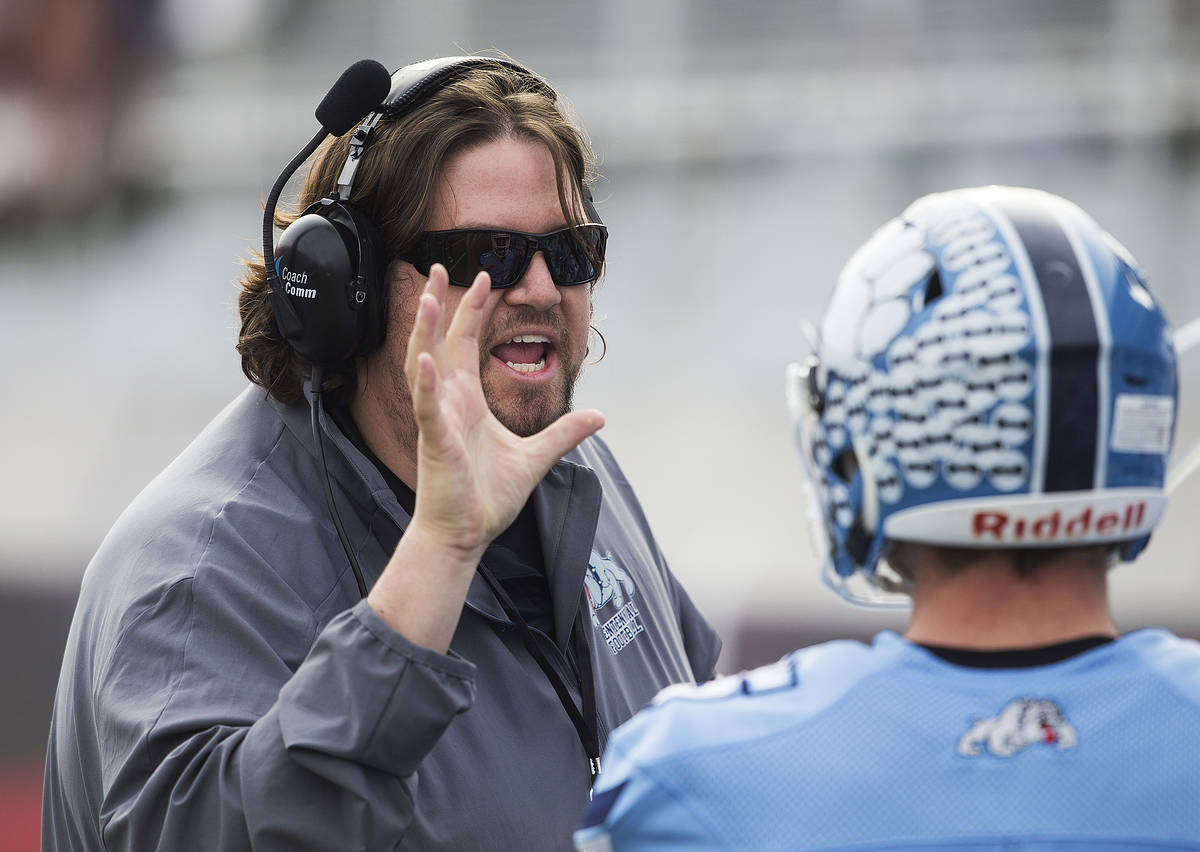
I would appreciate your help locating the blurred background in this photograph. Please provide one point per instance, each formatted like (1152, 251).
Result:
(746, 149)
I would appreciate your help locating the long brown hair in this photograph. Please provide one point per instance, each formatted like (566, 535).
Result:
(395, 186)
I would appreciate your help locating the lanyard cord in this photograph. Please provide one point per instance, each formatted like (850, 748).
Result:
(584, 720)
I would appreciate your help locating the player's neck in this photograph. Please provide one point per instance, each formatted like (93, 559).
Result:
(987, 606)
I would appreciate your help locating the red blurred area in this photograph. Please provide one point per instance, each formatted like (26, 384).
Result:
(21, 804)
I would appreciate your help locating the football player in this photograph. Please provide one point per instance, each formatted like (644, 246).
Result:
(985, 420)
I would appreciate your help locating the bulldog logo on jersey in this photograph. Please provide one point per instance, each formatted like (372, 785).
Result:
(607, 584)
(1022, 723)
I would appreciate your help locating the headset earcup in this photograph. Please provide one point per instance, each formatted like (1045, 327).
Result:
(372, 308)
(315, 267)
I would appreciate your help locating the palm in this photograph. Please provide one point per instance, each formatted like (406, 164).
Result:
(473, 474)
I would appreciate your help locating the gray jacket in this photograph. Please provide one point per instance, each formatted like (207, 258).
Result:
(224, 688)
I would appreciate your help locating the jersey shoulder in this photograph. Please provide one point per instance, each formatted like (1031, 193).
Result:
(750, 704)
(1174, 659)
(687, 722)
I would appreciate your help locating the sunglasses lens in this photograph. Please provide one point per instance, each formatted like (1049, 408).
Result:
(574, 258)
(503, 256)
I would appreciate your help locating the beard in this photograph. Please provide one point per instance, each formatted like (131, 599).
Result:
(524, 411)
(527, 411)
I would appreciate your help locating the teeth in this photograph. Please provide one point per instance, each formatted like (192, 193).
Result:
(528, 368)
(530, 338)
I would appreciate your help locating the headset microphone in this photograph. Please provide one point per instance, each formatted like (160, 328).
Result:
(362, 87)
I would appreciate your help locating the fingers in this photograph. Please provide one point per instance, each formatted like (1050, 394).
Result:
(429, 322)
(426, 409)
(435, 353)
(420, 363)
(424, 339)
(562, 436)
(467, 324)
(429, 332)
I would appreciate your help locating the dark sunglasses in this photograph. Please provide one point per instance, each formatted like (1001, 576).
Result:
(573, 255)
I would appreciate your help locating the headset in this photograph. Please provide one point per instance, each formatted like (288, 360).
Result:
(325, 277)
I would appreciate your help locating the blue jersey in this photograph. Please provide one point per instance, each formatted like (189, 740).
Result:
(845, 746)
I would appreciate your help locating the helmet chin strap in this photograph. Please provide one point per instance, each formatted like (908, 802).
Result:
(1185, 337)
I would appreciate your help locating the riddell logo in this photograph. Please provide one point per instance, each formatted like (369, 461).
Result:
(1006, 526)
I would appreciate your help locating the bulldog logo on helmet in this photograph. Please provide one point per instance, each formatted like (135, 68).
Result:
(1022, 723)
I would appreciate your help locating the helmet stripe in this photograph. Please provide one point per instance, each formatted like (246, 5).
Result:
(1069, 220)
(1074, 393)
(1041, 347)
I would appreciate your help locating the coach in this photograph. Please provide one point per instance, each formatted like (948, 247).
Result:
(224, 684)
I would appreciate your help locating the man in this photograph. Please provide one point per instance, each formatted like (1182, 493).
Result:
(986, 422)
(224, 687)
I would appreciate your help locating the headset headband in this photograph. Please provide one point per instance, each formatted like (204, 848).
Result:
(411, 86)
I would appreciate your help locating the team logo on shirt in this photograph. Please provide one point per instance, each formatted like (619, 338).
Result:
(1022, 723)
(609, 587)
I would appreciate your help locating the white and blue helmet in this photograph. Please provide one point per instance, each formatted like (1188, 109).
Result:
(992, 371)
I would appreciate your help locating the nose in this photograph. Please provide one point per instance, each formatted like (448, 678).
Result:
(536, 288)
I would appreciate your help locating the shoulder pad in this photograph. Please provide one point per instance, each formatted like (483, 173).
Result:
(766, 679)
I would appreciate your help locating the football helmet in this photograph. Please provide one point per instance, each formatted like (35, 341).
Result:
(992, 371)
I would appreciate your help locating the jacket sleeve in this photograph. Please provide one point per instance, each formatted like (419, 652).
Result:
(211, 739)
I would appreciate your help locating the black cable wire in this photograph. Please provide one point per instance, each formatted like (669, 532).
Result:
(318, 437)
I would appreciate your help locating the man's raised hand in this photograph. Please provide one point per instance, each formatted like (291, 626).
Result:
(473, 474)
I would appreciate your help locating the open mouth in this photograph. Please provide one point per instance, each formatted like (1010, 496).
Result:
(525, 353)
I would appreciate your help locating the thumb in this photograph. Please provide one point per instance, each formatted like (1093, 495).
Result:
(562, 436)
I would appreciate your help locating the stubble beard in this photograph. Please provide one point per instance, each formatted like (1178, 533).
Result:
(398, 407)
(524, 411)
(528, 410)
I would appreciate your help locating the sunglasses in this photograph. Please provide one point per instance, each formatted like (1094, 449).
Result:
(573, 255)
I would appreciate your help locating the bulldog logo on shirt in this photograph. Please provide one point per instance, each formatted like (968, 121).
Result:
(1022, 723)
(608, 585)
